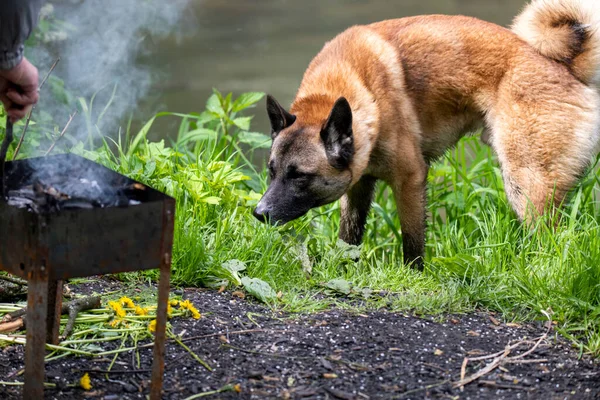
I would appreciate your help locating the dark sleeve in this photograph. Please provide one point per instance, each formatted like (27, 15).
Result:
(17, 20)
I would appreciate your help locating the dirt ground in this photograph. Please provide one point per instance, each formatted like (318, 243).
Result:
(330, 355)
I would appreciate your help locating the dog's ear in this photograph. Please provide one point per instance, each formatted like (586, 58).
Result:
(280, 119)
(336, 135)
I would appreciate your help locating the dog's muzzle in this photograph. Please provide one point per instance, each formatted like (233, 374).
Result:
(261, 212)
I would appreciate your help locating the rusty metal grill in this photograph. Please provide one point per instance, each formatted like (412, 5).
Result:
(49, 236)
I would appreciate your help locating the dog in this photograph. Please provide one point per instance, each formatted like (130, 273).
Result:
(382, 101)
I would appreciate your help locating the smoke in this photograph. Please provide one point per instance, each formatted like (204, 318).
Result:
(102, 41)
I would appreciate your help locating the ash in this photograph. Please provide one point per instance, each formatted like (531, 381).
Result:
(41, 197)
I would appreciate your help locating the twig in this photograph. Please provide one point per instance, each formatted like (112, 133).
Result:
(7, 327)
(8, 138)
(501, 358)
(75, 307)
(194, 355)
(46, 384)
(511, 346)
(495, 384)
(528, 352)
(484, 371)
(72, 308)
(433, 385)
(32, 108)
(120, 371)
(226, 388)
(62, 133)
(16, 281)
(536, 361)
(49, 72)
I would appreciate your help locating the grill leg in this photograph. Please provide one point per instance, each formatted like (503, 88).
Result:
(35, 348)
(55, 289)
(158, 365)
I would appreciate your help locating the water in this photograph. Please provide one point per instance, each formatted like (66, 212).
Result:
(251, 45)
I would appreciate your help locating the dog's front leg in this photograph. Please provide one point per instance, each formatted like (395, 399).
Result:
(355, 206)
(410, 195)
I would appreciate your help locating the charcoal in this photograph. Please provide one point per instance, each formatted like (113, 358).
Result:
(65, 194)
(67, 182)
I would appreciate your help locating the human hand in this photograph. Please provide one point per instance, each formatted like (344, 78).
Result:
(19, 89)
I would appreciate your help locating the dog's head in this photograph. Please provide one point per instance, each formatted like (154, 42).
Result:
(309, 164)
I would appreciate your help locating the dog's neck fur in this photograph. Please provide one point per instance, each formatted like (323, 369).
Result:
(313, 110)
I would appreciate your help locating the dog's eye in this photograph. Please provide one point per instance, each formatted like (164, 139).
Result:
(294, 174)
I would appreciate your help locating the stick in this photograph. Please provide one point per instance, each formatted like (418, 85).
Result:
(49, 72)
(501, 359)
(32, 108)
(484, 371)
(62, 133)
(120, 371)
(7, 327)
(16, 281)
(72, 308)
(8, 138)
(75, 307)
(495, 384)
(226, 388)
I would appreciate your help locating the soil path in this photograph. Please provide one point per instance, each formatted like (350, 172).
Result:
(330, 355)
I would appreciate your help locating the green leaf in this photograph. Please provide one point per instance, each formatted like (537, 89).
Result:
(149, 168)
(140, 136)
(205, 117)
(229, 270)
(197, 134)
(348, 251)
(213, 104)
(242, 122)
(211, 200)
(259, 289)
(340, 286)
(246, 100)
(255, 139)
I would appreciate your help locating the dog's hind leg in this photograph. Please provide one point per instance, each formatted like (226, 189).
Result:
(544, 147)
(355, 206)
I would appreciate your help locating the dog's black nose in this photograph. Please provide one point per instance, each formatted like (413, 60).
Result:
(261, 213)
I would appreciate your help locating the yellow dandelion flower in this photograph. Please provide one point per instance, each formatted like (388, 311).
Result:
(174, 303)
(127, 302)
(196, 314)
(186, 304)
(169, 310)
(238, 388)
(85, 382)
(152, 326)
(117, 308)
(141, 310)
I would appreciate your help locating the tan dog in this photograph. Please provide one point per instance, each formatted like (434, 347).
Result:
(382, 101)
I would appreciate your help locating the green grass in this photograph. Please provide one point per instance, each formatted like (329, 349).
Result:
(478, 255)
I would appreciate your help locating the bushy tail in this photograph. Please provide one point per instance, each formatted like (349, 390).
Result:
(567, 31)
